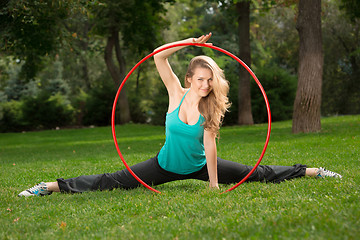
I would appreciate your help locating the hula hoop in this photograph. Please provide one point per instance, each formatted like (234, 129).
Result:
(199, 45)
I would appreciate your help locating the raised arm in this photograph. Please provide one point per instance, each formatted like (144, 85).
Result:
(167, 75)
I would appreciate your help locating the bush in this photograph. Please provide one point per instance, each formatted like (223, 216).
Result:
(11, 119)
(45, 111)
(159, 106)
(280, 88)
(78, 101)
(98, 106)
(232, 75)
(35, 113)
(138, 115)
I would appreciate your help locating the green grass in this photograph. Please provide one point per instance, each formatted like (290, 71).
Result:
(303, 208)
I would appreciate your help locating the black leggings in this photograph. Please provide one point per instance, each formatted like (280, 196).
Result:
(151, 173)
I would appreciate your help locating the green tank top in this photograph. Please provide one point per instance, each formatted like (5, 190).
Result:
(183, 151)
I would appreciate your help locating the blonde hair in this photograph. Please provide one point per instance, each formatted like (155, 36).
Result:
(216, 103)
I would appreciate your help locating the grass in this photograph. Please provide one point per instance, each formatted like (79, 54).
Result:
(303, 208)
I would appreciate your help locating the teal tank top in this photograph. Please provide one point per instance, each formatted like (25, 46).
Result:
(183, 151)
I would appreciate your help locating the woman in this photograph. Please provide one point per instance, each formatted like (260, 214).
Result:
(192, 123)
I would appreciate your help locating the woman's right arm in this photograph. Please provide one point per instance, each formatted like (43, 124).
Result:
(167, 75)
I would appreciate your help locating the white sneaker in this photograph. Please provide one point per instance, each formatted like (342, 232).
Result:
(322, 172)
(37, 190)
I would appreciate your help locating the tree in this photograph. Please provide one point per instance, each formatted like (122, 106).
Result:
(237, 13)
(352, 8)
(31, 30)
(244, 99)
(306, 115)
(340, 89)
(242, 10)
(79, 45)
(129, 27)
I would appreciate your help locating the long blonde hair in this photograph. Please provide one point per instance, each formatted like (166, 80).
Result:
(216, 103)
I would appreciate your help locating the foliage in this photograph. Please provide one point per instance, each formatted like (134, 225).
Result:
(231, 70)
(43, 100)
(98, 105)
(13, 90)
(139, 22)
(341, 91)
(30, 30)
(159, 106)
(17, 87)
(141, 88)
(46, 111)
(352, 8)
(280, 88)
(138, 114)
(36, 113)
(275, 39)
(52, 80)
(4, 66)
(304, 208)
(69, 58)
(11, 117)
(79, 104)
(129, 27)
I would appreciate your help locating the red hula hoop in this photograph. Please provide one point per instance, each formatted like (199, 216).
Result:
(199, 45)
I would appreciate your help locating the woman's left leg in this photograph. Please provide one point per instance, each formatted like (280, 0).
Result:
(233, 172)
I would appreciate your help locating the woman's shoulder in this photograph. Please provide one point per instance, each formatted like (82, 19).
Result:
(175, 98)
(179, 94)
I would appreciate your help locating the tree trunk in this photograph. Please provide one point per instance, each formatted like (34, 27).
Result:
(84, 44)
(244, 101)
(85, 71)
(117, 74)
(306, 115)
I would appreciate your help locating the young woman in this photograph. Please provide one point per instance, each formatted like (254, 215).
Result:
(193, 120)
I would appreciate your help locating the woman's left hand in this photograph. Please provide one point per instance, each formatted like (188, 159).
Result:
(203, 39)
(214, 186)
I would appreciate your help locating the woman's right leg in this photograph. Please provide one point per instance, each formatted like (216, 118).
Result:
(149, 171)
(53, 186)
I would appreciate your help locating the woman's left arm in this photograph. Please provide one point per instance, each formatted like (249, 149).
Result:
(211, 157)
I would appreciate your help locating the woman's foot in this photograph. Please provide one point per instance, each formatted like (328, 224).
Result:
(322, 172)
(40, 189)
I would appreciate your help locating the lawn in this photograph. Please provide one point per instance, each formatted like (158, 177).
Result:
(302, 208)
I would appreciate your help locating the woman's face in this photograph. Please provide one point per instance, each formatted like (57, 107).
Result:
(201, 81)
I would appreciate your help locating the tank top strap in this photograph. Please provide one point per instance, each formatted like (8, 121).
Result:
(183, 98)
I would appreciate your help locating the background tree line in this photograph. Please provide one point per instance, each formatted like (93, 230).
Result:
(61, 62)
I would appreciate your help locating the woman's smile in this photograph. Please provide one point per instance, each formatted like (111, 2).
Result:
(202, 81)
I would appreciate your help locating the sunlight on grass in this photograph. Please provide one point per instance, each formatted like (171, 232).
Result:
(303, 208)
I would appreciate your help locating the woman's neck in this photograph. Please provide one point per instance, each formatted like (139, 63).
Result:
(193, 99)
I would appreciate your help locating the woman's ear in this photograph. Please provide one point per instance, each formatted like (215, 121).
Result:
(188, 79)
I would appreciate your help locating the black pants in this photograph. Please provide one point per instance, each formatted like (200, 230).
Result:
(151, 173)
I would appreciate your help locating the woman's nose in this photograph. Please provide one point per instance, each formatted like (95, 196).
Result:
(206, 83)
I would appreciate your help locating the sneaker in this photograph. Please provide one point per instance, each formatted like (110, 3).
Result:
(37, 190)
(322, 172)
